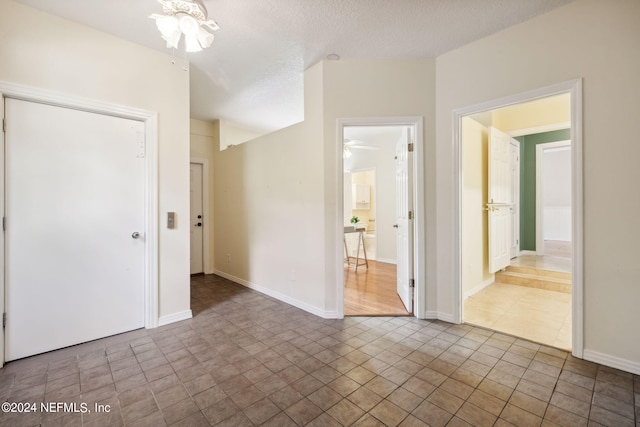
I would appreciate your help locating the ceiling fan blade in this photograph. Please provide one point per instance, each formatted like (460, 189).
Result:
(191, 43)
(352, 142)
(364, 147)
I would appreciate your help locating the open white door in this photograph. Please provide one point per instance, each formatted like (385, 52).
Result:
(404, 223)
(500, 204)
(515, 198)
(75, 236)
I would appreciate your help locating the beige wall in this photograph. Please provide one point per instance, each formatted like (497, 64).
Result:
(276, 196)
(234, 134)
(596, 41)
(475, 247)
(372, 88)
(46, 52)
(268, 209)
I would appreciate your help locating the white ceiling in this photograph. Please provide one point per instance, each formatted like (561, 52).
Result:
(253, 73)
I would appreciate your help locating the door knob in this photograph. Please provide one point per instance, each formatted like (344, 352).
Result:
(199, 224)
(199, 216)
(135, 235)
(395, 225)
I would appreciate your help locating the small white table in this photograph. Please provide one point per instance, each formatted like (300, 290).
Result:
(348, 258)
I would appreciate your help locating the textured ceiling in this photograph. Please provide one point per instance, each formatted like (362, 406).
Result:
(253, 73)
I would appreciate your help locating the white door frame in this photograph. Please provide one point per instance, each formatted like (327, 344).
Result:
(539, 187)
(150, 119)
(418, 203)
(574, 88)
(206, 245)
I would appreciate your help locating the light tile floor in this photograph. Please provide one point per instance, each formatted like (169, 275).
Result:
(246, 359)
(535, 314)
(543, 262)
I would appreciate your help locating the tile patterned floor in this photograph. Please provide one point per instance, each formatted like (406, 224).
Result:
(247, 359)
(536, 314)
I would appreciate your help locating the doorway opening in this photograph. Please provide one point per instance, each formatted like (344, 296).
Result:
(378, 219)
(515, 278)
(199, 216)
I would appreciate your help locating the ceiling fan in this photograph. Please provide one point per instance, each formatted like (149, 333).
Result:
(356, 143)
(348, 144)
(188, 17)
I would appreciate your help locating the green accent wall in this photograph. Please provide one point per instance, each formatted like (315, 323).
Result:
(528, 182)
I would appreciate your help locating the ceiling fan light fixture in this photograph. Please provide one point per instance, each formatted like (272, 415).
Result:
(188, 17)
(205, 38)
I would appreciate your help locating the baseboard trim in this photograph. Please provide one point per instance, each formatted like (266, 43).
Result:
(478, 288)
(528, 253)
(175, 317)
(436, 315)
(280, 297)
(387, 260)
(612, 361)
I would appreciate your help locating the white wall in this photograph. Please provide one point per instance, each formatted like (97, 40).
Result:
(556, 197)
(597, 41)
(46, 52)
(276, 197)
(269, 194)
(475, 247)
(374, 88)
(233, 134)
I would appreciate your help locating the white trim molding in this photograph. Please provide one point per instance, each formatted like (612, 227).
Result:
(471, 292)
(612, 361)
(419, 224)
(150, 120)
(280, 297)
(574, 88)
(175, 317)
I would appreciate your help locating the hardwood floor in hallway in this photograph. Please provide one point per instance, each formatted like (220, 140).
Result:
(372, 291)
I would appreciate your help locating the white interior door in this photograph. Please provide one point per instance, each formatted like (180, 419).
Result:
(515, 198)
(500, 203)
(404, 232)
(75, 243)
(197, 260)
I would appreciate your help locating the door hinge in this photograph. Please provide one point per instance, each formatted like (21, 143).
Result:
(410, 214)
(4, 223)
(4, 320)
(412, 283)
(4, 125)
(410, 147)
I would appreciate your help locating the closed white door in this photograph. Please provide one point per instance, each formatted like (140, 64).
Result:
(197, 261)
(500, 203)
(404, 223)
(75, 242)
